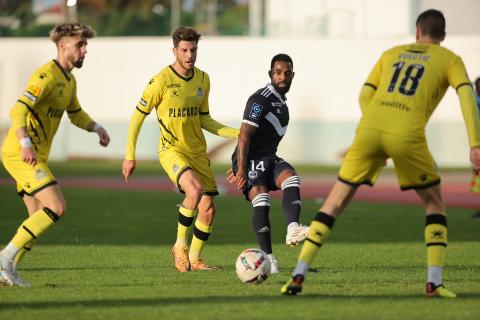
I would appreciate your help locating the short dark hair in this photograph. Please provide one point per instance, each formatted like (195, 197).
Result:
(185, 34)
(280, 57)
(432, 23)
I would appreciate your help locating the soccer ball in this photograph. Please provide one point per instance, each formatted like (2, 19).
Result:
(252, 266)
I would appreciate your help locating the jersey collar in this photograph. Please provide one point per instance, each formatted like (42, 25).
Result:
(278, 95)
(61, 69)
(181, 77)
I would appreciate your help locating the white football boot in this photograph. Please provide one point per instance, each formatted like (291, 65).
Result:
(296, 233)
(10, 275)
(273, 264)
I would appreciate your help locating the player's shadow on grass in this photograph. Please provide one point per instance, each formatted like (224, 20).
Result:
(213, 300)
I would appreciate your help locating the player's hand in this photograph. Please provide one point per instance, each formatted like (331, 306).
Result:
(128, 166)
(475, 159)
(230, 176)
(240, 180)
(29, 156)
(104, 137)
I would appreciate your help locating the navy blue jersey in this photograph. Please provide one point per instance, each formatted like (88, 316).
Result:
(267, 111)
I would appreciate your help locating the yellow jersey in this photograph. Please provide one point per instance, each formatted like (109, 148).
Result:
(182, 110)
(408, 82)
(49, 93)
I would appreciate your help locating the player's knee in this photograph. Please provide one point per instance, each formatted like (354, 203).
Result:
(59, 208)
(195, 193)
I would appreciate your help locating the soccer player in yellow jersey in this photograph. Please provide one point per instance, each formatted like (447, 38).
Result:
(51, 91)
(179, 95)
(401, 93)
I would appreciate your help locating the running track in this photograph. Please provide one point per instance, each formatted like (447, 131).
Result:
(455, 188)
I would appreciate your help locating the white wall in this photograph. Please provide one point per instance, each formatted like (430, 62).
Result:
(323, 98)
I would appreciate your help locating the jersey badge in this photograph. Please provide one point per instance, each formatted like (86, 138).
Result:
(42, 75)
(175, 168)
(252, 174)
(199, 92)
(40, 174)
(255, 112)
(174, 93)
(143, 102)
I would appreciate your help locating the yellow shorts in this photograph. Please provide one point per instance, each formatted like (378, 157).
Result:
(30, 180)
(175, 163)
(414, 164)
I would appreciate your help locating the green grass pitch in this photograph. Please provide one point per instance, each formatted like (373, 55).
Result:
(109, 258)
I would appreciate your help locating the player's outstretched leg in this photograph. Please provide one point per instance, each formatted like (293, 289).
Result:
(318, 233)
(436, 242)
(292, 205)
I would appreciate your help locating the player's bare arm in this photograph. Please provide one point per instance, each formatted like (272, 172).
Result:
(246, 131)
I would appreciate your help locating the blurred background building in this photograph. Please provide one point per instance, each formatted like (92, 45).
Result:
(334, 44)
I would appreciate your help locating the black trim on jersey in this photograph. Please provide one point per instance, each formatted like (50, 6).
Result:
(464, 84)
(356, 184)
(415, 51)
(74, 111)
(422, 186)
(165, 128)
(165, 139)
(203, 113)
(202, 235)
(370, 85)
(443, 244)
(51, 183)
(183, 78)
(61, 69)
(29, 231)
(141, 111)
(36, 117)
(203, 76)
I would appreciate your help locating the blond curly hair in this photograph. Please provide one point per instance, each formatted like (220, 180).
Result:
(71, 30)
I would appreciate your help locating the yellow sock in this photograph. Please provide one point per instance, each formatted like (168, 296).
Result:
(201, 232)
(26, 248)
(317, 234)
(34, 227)
(185, 220)
(436, 239)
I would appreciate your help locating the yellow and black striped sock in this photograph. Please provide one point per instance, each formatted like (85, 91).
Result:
(319, 230)
(34, 226)
(185, 220)
(436, 242)
(26, 248)
(201, 232)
